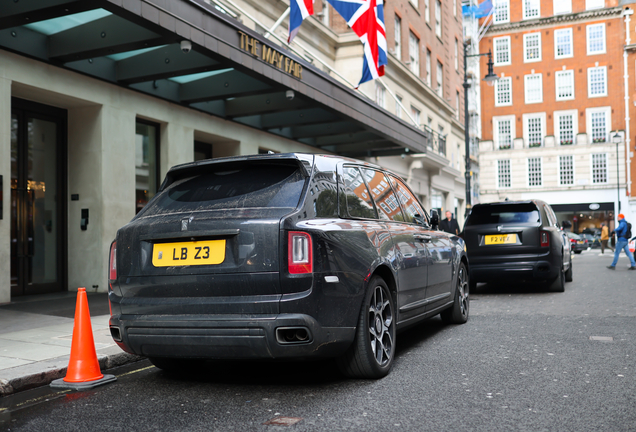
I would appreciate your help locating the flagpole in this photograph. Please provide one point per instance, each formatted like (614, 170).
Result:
(398, 101)
(277, 23)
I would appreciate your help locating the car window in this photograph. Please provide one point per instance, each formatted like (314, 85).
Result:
(381, 192)
(550, 215)
(410, 204)
(504, 214)
(358, 198)
(247, 186)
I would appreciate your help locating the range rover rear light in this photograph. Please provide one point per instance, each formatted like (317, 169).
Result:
(112, 262)
(299, 250)
(544, 236)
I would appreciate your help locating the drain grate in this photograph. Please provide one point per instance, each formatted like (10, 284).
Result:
(602, 338)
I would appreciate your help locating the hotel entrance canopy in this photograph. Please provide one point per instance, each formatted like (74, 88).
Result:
(230, 71)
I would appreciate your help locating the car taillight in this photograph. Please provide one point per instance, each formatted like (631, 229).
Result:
(545, 238)
(299, 249)
(112, 262)
(572, 240)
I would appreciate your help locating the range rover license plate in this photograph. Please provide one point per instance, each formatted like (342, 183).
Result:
(209, 252)
(500, 239)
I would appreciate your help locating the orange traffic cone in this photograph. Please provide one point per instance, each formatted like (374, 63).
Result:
(83, 370)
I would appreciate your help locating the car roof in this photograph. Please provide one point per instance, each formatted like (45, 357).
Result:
(531, 201)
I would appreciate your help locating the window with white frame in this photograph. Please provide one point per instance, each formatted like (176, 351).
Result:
(457, 103)
(504, 131)
(503, 91)
(416, 115)
(325, 13)
(380, 95)
(566, 170)
(565, 125)
(594, 4)
(456, 54)
(597, 81)
(415, 3)
(561, 7)
(454, 7)
(599, 168)
(598, 124)
(440, 79)
(535, 177)
(428, 67)
(564, 84)
(504, 179)
(502, 11)
(398, 108)
(533, 88)
(532, 47)
(531, 9)
(502, 50)
(414, 54)
(427, 10)
(534, 129)
(438, 18)
(596, 39)
(397, 36)
(563, 47)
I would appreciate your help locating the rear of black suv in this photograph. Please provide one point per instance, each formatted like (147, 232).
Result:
(514, 241)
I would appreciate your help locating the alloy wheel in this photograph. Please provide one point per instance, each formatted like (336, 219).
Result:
(381, 326)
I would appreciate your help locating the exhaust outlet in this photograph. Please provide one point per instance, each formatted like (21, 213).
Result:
(115, 333)
(292, 335)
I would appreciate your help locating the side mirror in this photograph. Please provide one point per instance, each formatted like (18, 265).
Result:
(434, 218)
(418, 219)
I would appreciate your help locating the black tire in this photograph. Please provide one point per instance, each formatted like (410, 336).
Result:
(570, 273)
(373, 349)
(558, 284)
(458, 313)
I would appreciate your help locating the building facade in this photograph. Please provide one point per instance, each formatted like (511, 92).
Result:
(554, 123)
(99, 98)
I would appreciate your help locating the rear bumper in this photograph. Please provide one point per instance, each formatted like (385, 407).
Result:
(227, 336)
(526, 268)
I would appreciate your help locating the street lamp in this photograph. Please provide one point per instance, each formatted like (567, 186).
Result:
(490, 78)
(617, 139)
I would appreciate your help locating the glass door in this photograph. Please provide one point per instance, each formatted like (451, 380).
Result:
(37, 133)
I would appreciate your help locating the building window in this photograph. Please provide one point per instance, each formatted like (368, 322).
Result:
(324, 13)
(398, 108)
(416, 115)
(502, 50)
(531, 9)
(597, 81)
(564, 84)
(535, 178)
(564, 124)
(415, 3)
(440, 80)
(534, 129)
(596, 39)
(598, 124)
(594, 4)
(428, 68)
(563, 43)
(414, 54)
(599, 168)
(504, 131)
(562, 7)
(427, 10)
(457, 103)
(533, 88)
(532, 47)
(503, 91)
(438, 18)
(456, 54)
(380, 95)
(502, 11)
(566, 170)
(146, 162)
(503, 174)
(397, 35)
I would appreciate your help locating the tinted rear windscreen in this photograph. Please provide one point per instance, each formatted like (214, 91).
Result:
(248, 186)
(504, 214)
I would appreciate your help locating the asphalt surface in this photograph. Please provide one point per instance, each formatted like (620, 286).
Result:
(526, 360)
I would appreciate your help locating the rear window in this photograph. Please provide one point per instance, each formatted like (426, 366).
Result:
(248, 186)
(504, 214)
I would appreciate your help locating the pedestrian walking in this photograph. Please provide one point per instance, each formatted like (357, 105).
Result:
(449, 224)
(622, 233)
(604, 237)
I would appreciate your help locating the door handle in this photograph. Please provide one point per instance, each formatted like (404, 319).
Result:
(422, 237)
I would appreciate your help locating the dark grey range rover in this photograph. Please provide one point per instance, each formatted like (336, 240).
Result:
(286, 256)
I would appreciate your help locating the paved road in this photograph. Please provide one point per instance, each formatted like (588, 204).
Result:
(526, 360)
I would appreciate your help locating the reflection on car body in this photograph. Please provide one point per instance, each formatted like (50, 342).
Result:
(319, 257)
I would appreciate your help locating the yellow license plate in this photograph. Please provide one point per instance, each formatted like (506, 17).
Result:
(188, 253)
(581, 242)
(501, 239)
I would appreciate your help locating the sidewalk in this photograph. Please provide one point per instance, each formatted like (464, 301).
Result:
(36, 334)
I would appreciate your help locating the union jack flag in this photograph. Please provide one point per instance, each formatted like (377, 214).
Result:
(366, 19)
(298, 11)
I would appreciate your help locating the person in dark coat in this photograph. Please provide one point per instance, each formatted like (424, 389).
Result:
(449, 224)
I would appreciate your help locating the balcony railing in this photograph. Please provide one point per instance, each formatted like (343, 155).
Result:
(434, 141)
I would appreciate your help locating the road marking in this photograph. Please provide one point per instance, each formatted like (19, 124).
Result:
(135, 371)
